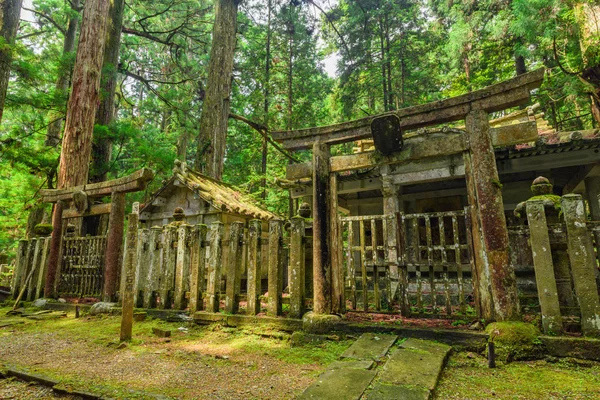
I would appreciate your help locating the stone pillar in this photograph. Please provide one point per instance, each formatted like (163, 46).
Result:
(296, 273)
(338, 298)
(127, 291)
(214, 266)
(322, 282)
(592, 188)
(55, 249)
(114, 246)
(232, 290)
(392, 206)
(197, 268)
(254, 270)
(275, 267)
(544, 269)
(495, 281)
(20, 267)
(183, 236)
(581, 254)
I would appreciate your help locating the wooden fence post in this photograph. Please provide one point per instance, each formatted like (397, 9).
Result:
(254, 270)
(275, 267)
(544, 268)
(297, 267)
(232, 290)
(197, 264)
(214, 266)
(129, 271)
(581, 255)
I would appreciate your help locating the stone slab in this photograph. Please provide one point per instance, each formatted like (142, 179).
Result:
(356, 364)
(340, 384)
(585, 348)
(9, 322)
(370, 346)
(381, 391)
(417, 363)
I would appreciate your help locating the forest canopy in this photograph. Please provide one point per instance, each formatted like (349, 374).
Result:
(296, 64)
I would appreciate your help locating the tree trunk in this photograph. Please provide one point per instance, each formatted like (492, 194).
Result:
(215, 111)
(102, 147)
(85, 94)
(62, 83)
(9, 22)
(265, 149)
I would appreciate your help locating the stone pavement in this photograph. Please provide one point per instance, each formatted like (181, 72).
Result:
(374, 368)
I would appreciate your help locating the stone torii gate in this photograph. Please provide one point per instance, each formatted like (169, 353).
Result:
(79, 200)
(494, 280)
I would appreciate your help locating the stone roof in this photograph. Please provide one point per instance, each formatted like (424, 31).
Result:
(220, 195)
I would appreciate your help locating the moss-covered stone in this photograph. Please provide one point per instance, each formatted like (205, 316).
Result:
(319, 323)
(516, 340)
(42, 229)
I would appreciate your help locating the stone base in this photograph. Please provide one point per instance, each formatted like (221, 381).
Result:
(319, 323)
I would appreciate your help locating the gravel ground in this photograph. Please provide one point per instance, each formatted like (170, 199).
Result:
(212, 366)
(11, 389)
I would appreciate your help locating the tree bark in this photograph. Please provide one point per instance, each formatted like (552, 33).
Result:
(102, 147)
(215, 111)
(9, 22)
(265, 149)
(62, 83)
(85, 94)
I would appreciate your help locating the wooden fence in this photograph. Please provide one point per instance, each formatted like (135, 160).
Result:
(202, 267)
(433, 258)
(30, 267)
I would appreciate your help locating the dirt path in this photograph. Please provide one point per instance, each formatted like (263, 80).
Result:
(202, 362)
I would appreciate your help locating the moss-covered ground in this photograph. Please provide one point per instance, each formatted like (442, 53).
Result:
(195, 362)
(466, 376)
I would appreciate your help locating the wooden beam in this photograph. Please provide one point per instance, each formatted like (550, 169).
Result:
(510, 93)
(420, 147)
(132, 183)
(95, 209)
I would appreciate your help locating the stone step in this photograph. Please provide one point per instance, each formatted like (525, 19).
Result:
(412, 372)
(340, 384)
(370, 346)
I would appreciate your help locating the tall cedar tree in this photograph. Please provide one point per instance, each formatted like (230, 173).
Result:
(9, 22)
(215, 111)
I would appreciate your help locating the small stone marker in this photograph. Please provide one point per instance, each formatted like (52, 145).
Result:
(164, 333)
(139, 316)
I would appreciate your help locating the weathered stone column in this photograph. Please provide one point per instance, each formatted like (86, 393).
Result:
(592, 188)
(232, 290)
(495, 279)
(338, 298)
(297, 267)
(20, 266)
(544, 269)
(55, 249)
(114, 246)
(392, 206)
(275, 267)
(127, 291)
(254, 270)
(322, 285)
(214, 266)
(197, 268)
(183, 235)
(581, 255)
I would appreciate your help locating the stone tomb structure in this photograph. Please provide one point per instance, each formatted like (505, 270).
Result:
(66, 264)
(418, 158)
(194, 225)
